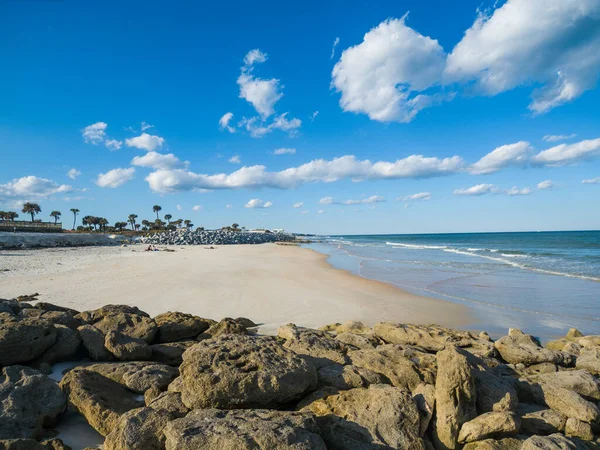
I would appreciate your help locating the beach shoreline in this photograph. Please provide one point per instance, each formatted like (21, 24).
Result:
(271, 283)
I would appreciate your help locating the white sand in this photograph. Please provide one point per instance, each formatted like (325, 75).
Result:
(269, 284)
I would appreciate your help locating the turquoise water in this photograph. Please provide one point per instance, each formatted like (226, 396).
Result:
(542, 282)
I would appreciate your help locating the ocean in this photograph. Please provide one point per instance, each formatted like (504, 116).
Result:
(541, 282)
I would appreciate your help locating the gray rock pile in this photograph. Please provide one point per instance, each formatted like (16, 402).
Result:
(179, 381)
(214, 237)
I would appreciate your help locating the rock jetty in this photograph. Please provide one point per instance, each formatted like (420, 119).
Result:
(214, 237)
(179, 381)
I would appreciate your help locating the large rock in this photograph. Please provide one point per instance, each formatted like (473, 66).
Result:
(132, 325)
(364, 341)
(494, 393)
(577, 428)
(127, 348)
(566, 402)
(28, 401)
(455, 397)
(225, 326)
(489, 425)
(378, 417)
(589, 359)
(31, 444)
(139, 429)
(572, 336)
(540, 420)
(317, 346)
(52, 307)
(553, 442)
(171, 352)
(65, 348)
(433, 338)
(93, 341)
(97, 398)
(239, 371)
(136, 376)
(257, 429)
(61, 318)
(424, 396)
(521, 348)
(170, 402)
(348, 377)
(176, 326)
(22, 341)
(579, 381)
(107, 310)
(495, 444)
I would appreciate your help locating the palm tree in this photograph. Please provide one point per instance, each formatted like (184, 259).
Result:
(168, 218)
(11, 215)
(188, 223)
(88, 221)
(145, 224)
(102, 222)
(120, 225)
(235, 226)
(156, 209)
(32, 208)
(131, 220)
(137, 227)
(75, 211)
(56, 215)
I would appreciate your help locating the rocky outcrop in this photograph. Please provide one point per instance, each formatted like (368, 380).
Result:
(553, 442)
(170, 402)
(316, 346)
(176, 326)
(139, 429)
(93, 341)
(214, 237)
(540, 420)
(23, 340)
(489, 425)
(589, 359)
(65, 348)
(126, 348)
(521, 348)
(348, 377)
(225, 326)
(132, 325)
(136, 376)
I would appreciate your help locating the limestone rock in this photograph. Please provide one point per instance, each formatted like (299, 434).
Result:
(98, 314)
(176, 326)
(170, 402)
(61, 318)
(579, 381)
(138, 429)
(44, 306)
(245, 322)
(136, 376)
(493, 444)
(566, 402)
(424, 397)
(93, 341)
(455, 397)
(489, 425)
(348, 377)
(126, 348)
(24, 340)
(317, 346)
(540, 420)
(494, 393)
(225, 326)
(521, 348)
(65, 348)
(99, 399)
(577, 428)
(170, 353)
(591, 341)
(363, 341)
(239, 371)
(553, 442)
(22, 444)
(589, 359)
(28, 401)
(132, 325)
(256, 429)
(380, 416)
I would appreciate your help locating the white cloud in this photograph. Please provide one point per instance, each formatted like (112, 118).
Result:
(345, 167)
(146, 142)
(546, 184)
(591, 181)
(479, 189)
(516, 191)
(257, 203)
(95, 134)
(261, 93)
(224, 122)
(259, 128)
(115, 178)
(197, 208)
(558, 137)
(229, 206)
(284, 151)
(159, 161)
(501, 157)
(179, 208)
(304, 212)
(383, 75)
(364, 201)
(321, 211)
(298, 204)
(313, 116)
(551, 43)
(113, 144)
(73, 173)
(31, 186)
(424, 196)
(568, 153)
(145, 126)
(326, 201)
(235, 159)
(254, 56)
(335, 44)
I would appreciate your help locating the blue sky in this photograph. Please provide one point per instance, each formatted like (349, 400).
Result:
(410, 101)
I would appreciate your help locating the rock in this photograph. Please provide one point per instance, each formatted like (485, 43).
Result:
(239, 371)
(578, 381)
(589, 359)
(99, 399)
(537, 419)
(55, 444)
(521, 348)
(225, 326)
(433, 338)
(390, 362)
(572, 336)
(170, 402)
(21, 444)
(170, 353)
(591, 341)
(424, 397)
(577, 428)
(51, 307)
(354, 327)
(136, 376)
(65, 348)
(214, 237)
(348, 377)
(489, 425)
(257, 429)
(132, 325)
(93, 341)
(24, 340)
(572, 349)
(61, 318)
(494, 394)
(126, 348)
(566, 402)
(317, 346)
(493, 444)
(380, 416)
(553, 442)
(138, 429)
(455, 397)
(176, 326)
(28, 401)
(246, 323)
(363, 341)
(107, 310)
(152, 394)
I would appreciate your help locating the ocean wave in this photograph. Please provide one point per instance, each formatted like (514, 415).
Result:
(417, 247)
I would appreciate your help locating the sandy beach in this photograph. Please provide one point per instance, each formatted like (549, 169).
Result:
(270, 284)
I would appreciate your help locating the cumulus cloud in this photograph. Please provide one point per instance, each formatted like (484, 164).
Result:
(159, 161)
(257, 203)
(504, 156)
(284, 151)
(259, 128)
(261, 93)
(254, 56)
(235, 160)
(95, 134)
(336, 41)
(115, 178)
(516, 191)
(319, 170)
(551, 43)
(364, 201)
(591, 181)
(568, 153)
(179, 208)
(146, 142)
(224, 122)
(326, 201)
(73, 173)
(298, 204)
(384, 75)
(31, 187)
(546, 184)
(197, 208)
(145, 126)
(424, 196)
(558, 137)
(479, 189)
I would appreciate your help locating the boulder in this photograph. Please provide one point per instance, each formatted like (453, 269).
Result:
(589, 359)
(93, 341)
(363, 341)
(380, 416)
(24, 340)
(97, 398)
(127, 348)
(170, 402)
(495, 444)
(553, 442)
(579, 381)
(573, 335)
(225, 326)
(424, 397)
(540, 420)
(317, 346)
(245, 322)
(51, 307)
(354, 327)
(65, 348)
(132, 325)
(455, 396)
(171, 352)
(138, 429)
(577, 428)
(348, 377)
(61, 318)
(257, 429)
(591, 341)
(98, 314)
(489, 425)
(240, 371)
(27, 444)
(566, 402)
(494, 393)
(136, 376)
(521, 348)
(176, 326)
(29, 400)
